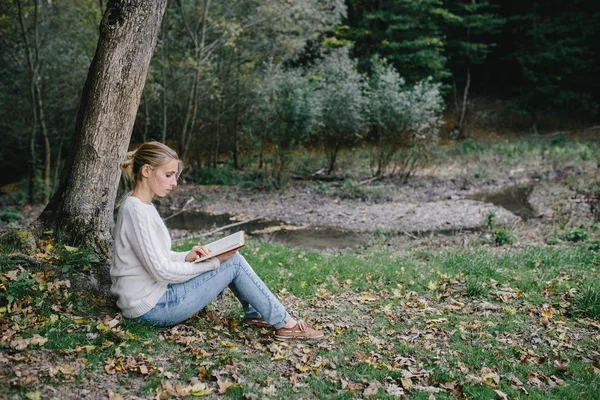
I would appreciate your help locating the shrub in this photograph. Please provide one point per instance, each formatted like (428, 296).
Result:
(260, 179)
(490, 219)
(341, 90)
(215, 176)
(594, 245)
(503, 236)
(401, 117)
(575, 235)
(10, 215)
(589, 300)
(471, 146)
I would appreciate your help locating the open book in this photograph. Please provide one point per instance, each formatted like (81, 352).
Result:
(228, 243)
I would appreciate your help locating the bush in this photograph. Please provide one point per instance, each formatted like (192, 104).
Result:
(594, 245)
(261, 180)
(470, 146)
(10, 215)
(215, 176)
(503, 236)
(589, 300)
(401, 117)
(575, 235)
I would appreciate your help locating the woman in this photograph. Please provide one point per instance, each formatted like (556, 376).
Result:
(154, 284)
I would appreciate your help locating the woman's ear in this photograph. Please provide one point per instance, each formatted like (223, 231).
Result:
(145, 170)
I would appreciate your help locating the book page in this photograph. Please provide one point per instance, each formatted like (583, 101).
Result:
(231, 242)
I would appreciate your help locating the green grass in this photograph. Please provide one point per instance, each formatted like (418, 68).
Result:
(444, 316)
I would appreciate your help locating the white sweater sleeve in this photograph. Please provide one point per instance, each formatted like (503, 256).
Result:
(155, 258)
(178, 255)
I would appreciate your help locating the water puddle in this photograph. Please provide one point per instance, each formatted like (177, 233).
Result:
(512, 198)
(308, 237)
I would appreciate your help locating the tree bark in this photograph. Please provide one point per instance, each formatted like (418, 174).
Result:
(463, 108)
(81, 211)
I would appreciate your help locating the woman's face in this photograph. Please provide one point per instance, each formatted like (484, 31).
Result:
(163, 179)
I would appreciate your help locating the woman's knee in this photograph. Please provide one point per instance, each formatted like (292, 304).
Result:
(237, 258)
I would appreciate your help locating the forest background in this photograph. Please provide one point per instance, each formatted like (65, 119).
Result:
(435, 164)
(248, 82)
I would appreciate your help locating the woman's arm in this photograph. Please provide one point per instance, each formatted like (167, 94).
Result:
(155, 257)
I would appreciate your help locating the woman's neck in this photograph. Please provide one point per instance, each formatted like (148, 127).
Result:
(143, 194)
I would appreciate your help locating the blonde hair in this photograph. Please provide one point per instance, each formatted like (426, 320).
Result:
(155, 154)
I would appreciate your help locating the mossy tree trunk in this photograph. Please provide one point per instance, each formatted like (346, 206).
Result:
(81, 210)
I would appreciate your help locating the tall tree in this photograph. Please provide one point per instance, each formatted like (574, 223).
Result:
(32, 48)
(552, 49)
(408, 33)
(343, 104)
(81, 211)
(471, 38)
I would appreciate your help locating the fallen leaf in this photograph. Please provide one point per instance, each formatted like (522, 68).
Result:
(372, 389)
(114, 396)
(37, 395)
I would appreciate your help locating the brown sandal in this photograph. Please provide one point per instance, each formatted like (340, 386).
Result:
(258, 321)
(300, 331)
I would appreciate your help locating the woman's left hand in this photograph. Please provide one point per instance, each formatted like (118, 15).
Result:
(197, 251)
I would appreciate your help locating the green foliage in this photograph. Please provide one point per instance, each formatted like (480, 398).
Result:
(10, 215)
(13, 194)
(594, 245)
(225, 175)
(554, 56)
(401, 116)
(17, 239)
(70, 258)
(407, 33)
(286, 110)
(588, 301)
(475, 288)
(260, 180)
(342, 102)
(490, 220)
(471, 146)
(575, 235)
(503, 236)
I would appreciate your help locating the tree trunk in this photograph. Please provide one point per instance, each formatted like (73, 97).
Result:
(81, 211)
(146, 119)
(463, 108)
(164, 88)
(190, 116)
(33, 65)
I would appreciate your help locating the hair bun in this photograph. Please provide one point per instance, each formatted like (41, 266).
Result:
(126, 165)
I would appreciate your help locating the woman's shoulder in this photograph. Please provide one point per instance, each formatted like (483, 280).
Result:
(133, 205)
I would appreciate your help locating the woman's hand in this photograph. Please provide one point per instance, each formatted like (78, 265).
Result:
(225, 256)
(197, 251)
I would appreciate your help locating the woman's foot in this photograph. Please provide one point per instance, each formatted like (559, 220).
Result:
(257, 321)
(299, 330)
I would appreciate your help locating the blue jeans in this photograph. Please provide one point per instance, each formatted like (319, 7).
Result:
(182, 300)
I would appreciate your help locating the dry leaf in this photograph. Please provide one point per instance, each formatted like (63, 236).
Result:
(114, 396)
(372, 389)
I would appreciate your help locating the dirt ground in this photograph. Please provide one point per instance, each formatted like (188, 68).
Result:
(434, 208)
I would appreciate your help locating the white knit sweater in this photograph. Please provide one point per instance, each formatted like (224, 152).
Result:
(142, 261)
